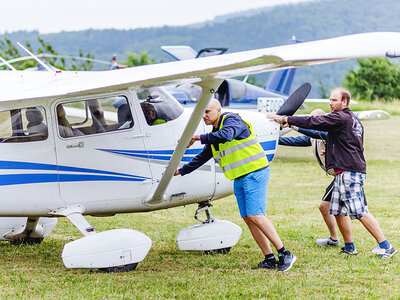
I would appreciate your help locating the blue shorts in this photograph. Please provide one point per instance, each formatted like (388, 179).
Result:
(251, 192)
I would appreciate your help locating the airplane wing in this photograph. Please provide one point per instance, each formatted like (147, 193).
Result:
(372, 115)
(205, 71)
(15, 85)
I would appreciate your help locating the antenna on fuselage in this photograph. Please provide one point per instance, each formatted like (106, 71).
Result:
(7, 64)
(36, 58)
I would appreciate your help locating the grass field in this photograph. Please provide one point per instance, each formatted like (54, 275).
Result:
(296, 186)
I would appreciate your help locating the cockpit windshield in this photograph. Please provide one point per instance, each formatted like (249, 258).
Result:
(158, 105)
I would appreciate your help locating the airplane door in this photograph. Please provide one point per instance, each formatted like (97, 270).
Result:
(29, 180)
(163, 121)
(94, 140)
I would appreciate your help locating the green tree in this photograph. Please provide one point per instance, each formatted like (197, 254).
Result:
(375, 78)
(143, 58)
(323, 90)
(9, 52)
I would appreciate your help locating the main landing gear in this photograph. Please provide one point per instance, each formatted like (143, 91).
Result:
(117, 250)
(23, 230)
(211, 236)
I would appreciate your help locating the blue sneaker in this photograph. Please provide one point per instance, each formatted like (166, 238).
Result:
(352, 252)
(388, 252)
(286, 261)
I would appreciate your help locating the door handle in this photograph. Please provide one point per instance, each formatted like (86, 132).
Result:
(143, 135)
(78, 145)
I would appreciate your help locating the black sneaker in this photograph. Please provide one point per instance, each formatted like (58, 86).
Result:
(352, 252)
(286, 261)
(266, 264)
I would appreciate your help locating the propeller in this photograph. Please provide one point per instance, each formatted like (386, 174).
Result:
(295, 100)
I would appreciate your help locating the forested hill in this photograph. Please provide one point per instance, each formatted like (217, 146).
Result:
(270, 27)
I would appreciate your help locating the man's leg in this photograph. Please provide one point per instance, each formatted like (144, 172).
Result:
(261, 225)
(340, 209)
(329, 219)
(333, 239)
(258, 236)
(344, 224)
(371, 224)
(384, 249)
(255, 186)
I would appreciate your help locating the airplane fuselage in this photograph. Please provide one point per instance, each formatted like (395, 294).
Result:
(107, 171)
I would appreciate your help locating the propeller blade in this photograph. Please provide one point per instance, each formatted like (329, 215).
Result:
(295, 100)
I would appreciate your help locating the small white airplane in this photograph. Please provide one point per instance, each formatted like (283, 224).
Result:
(66, 151)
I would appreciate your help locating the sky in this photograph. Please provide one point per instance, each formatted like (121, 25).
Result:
(48, 16)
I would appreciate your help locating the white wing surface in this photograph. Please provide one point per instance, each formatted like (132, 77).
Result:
(25, 85)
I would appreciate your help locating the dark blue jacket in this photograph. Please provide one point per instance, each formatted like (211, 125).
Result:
(303, 140)
(234, 128)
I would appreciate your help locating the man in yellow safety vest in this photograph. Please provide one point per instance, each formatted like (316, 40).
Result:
(234, 146)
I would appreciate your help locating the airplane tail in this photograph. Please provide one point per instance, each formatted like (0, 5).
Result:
(281, 81)
(113, 64)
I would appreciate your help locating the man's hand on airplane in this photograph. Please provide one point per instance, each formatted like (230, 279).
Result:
(194, 138)
(176, 173)
(279, 119)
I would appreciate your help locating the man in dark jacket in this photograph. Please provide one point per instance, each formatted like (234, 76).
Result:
(317, 140)
(345, 154)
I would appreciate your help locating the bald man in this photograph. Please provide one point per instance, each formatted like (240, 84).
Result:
(234, 146)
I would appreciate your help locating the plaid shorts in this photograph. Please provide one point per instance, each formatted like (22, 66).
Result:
(348, 195)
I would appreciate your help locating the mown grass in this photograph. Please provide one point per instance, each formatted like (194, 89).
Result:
(296, 186)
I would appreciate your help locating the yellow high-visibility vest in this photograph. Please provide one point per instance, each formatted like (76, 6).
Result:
(240, 157)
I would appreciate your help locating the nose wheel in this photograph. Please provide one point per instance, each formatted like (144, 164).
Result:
(212, 236)
(205, 207)
(218, 251)
(120, 269)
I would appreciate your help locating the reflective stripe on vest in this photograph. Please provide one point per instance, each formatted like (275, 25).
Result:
(244, 161)
(235, 148)
(240, 157)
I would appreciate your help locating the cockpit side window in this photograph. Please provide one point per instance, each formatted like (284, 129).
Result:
(87, 117)
(23, 125)
(158, 106)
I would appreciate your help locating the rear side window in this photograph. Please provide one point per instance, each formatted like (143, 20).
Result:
(23, 125)
(93, 116)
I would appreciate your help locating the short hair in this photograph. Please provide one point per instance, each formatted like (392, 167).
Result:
(345, 94)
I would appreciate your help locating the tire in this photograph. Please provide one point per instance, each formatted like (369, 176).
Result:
(218, 251)
(27, 241)
(119, 269)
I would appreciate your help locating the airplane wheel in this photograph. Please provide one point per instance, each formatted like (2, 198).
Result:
(218, 251)
(27, 241)
(119, 269)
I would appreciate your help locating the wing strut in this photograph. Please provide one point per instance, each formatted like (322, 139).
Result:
(209, 88)
(7, 64)
(36, 58)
